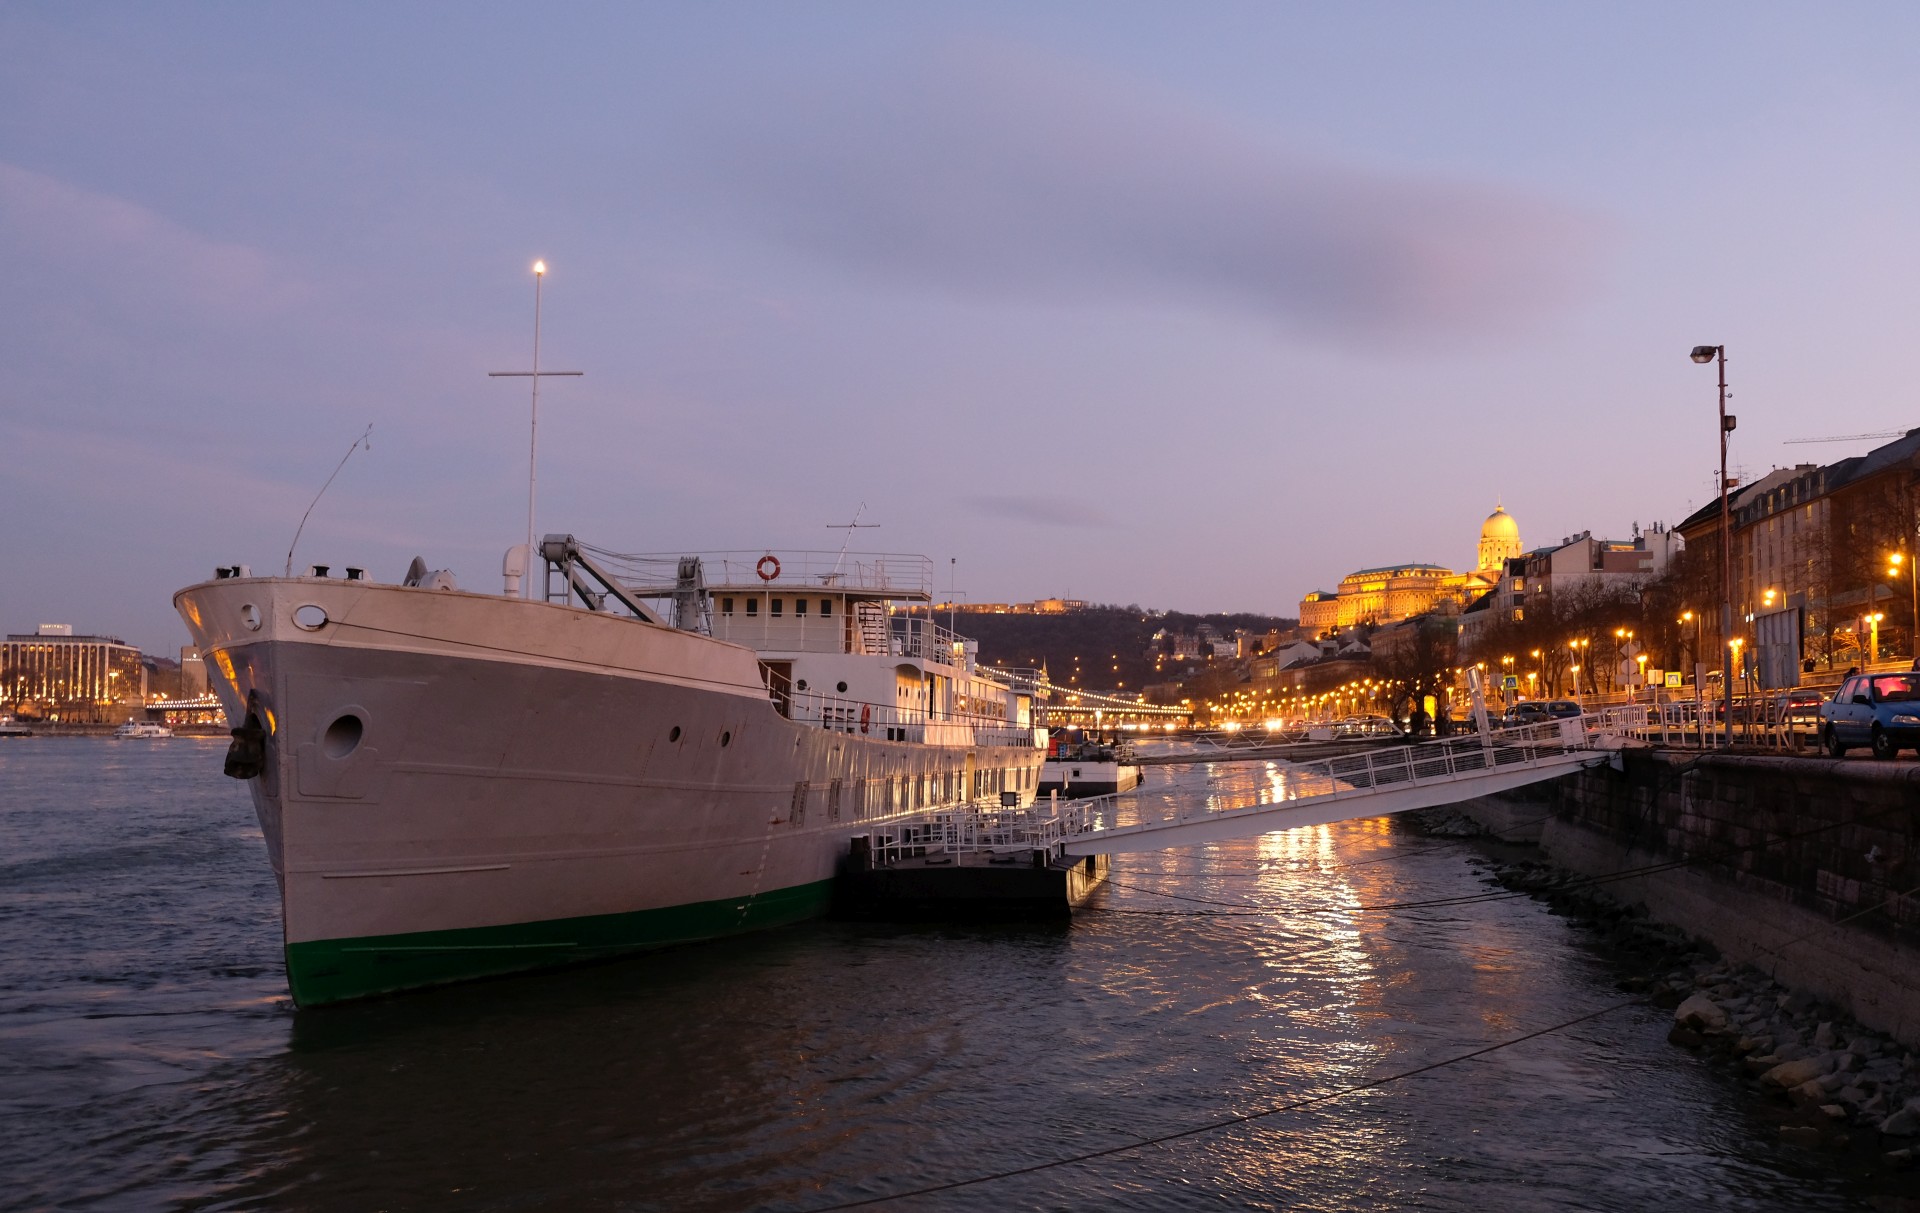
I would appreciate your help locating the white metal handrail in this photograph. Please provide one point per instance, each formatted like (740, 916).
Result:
(982, 827)
(652, 574)
(885, 721)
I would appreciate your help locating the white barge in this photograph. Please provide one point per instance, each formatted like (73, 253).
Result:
(455, 784)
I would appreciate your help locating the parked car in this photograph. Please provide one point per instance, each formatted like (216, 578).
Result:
(1522, 714)
(1798, 711)
(1562, 708)
(1881, 711)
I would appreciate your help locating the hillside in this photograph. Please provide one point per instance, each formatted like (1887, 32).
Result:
(1100, 648)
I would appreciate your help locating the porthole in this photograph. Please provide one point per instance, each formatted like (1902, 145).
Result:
(343, 736)
(309, 618)
(674, 733)
(250, 616)
(840, 687)
(726, 739)
(801, 685)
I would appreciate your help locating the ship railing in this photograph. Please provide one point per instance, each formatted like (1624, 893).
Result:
(914, 636)
(889, 722)
(654, 574)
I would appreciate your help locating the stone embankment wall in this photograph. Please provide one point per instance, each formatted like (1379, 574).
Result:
(1807, 869)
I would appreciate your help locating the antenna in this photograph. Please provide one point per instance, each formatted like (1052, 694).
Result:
(533, 432)
(1851, 437)
(352, 447)
(850, 528)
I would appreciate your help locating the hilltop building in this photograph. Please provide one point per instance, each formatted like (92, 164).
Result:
(1390, 593)
(1575, 563)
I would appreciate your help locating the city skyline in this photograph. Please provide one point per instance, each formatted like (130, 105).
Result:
(1200, 311)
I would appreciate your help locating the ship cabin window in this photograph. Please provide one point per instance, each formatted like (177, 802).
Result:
(753, 606)
(726, 606)
(826, 607)
(773, 607)
(800, 608)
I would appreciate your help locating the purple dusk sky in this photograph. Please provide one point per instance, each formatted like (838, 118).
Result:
(1199, 307)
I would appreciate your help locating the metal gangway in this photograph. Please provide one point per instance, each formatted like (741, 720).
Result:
(1370, 783)
(1377, 782)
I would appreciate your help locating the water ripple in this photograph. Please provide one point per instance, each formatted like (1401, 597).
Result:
(148, 1055)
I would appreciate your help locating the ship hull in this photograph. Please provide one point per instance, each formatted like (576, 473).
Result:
(459, 785)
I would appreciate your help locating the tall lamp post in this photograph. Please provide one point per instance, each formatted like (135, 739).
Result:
(1898, 563)
(1704, 354)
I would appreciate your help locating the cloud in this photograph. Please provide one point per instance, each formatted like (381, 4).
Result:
(997, 175)
(133, 251)
(1041, 509)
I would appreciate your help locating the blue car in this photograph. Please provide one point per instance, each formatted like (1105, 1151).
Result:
(1881, 711)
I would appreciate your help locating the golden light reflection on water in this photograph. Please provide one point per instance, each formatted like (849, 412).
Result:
(1312, 997)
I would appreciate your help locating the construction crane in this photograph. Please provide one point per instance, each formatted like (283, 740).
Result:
(1852, 437)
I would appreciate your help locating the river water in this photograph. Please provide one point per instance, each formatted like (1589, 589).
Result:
(149, 1057)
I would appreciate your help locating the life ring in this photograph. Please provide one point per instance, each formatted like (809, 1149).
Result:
(866, 717)
(761, 567)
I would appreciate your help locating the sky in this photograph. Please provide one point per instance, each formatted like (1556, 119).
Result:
(1198, 307)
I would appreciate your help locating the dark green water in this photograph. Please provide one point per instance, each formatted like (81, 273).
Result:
(149, 1057)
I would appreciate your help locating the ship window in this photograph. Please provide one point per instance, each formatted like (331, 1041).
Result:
(753, 606)
(726, 606)
(726, 739)
(674, 734)
(826, 607)
(801, 685)
(841, 687)
(773, 607)
(800, 608)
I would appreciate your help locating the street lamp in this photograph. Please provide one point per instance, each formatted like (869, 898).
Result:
(1896, 563)
(1718, 353)
(1873, 637)
(1698, 623)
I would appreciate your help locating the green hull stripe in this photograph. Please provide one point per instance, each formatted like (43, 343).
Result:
(334, 970)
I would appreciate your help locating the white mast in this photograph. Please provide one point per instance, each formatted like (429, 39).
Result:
(533, 431)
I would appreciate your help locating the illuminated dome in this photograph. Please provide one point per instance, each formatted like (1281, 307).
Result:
(1499, 538)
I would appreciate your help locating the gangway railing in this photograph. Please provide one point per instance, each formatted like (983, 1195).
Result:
(982, 826)
(1376, 782)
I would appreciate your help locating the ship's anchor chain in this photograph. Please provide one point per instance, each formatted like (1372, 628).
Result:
(247, 752)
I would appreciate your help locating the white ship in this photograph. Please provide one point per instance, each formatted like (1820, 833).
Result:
(142, 728)
(454, 784)
(1089, 767)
